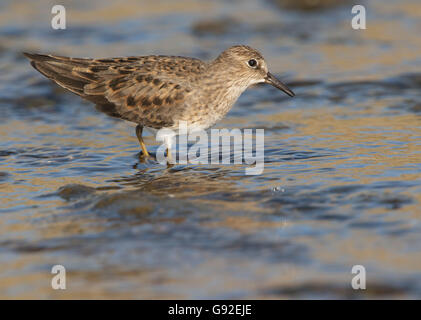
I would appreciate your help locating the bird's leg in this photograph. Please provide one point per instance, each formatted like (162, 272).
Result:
(168, 142)
(139, 130)
(169, 156)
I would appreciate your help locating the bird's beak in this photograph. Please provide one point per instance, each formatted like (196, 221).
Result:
(270, 78)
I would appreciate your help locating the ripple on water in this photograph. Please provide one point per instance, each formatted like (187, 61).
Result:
(341, 184)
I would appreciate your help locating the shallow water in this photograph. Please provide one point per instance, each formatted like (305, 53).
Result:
(342, 178)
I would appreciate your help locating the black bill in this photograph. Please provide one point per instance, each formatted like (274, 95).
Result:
(270, 78)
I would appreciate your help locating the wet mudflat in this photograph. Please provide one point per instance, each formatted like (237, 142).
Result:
(342, 178)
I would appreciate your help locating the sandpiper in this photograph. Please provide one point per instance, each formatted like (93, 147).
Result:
(160, 91)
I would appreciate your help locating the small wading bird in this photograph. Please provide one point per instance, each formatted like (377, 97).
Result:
(160, 91)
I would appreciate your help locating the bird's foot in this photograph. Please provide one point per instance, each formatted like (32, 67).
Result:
(147, 158)
(152, 159)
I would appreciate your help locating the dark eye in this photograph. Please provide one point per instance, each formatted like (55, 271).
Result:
(252, 63)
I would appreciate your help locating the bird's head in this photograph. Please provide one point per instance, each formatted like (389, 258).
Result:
(247, 67)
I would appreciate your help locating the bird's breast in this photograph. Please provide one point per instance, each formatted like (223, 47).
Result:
(211, 105)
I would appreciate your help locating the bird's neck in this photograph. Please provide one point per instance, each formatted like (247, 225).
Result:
(224, 77)
(221, 89)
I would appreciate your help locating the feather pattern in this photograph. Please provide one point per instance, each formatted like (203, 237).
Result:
(160, 91)
(148, 90)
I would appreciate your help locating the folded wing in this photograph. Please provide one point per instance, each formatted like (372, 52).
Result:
(138, 89)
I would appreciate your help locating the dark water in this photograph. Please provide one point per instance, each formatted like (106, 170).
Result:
(342, 178)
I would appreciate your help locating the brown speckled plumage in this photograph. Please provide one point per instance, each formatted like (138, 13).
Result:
(159, 91)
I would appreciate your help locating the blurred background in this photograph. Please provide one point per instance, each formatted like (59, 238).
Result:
(342, 179)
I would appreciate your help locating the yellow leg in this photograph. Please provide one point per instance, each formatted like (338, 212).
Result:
(139, 130)
(170, 162)
(169, 156)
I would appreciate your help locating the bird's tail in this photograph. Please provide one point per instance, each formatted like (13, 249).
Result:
(70, 73)
(85, 77)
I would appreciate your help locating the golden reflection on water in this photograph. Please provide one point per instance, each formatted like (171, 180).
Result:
(265, 240)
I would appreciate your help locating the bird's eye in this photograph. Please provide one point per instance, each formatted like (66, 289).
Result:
(252, 63)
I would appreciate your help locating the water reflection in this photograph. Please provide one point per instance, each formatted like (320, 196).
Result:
(342, 178)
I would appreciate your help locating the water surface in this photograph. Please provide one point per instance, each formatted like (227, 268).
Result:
(342, 178)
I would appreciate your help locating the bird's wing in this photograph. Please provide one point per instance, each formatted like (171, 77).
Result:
(148, 90)
(151, 99)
